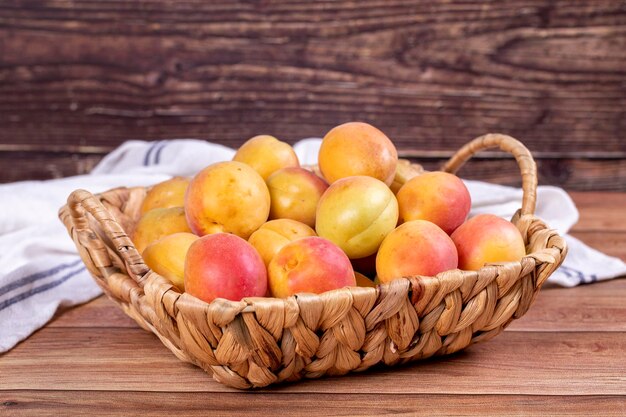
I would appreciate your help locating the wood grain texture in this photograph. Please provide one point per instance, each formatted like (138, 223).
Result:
(432, 75)
(589, 308)
(600, 212)
(528, 363)
(19, 166)
(612, 243)
(569, 173)
(79, 403)
(100, 312)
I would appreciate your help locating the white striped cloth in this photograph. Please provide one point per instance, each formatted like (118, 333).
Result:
(40, 271)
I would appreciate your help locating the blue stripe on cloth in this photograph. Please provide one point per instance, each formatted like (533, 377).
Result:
(157, 157)
(566, 272)
(574, 273)
(146, 159)
(36, 276)
(40, 289)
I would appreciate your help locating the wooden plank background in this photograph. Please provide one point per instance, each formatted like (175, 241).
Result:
(79, 77)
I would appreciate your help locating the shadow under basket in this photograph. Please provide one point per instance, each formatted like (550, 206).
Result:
(256, 342)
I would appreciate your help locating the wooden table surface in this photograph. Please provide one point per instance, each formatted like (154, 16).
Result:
(567, 356)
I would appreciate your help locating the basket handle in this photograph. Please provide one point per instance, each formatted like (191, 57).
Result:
(506, 143)
(81, 202)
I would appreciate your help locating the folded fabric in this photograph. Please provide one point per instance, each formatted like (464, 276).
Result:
(40, 270)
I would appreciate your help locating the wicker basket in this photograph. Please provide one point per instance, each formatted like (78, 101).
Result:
(261, 341)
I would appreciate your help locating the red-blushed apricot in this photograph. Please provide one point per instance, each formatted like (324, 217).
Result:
(273, 235)
(486, 239)
(357, 148)
(222, 265)
(266, 155)
(356, 213)
(418, 247)
(170, 193)
(158, 223)
(294, 194)
(227, 197)
(310, 264)
(167, 255)
(438, 197)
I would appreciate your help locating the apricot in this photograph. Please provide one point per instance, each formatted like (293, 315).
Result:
(227, 197)
(294, 194)
(166, 257)
(170, 193)
(438, 197)
(222, 265)
(405, 170)
(363, 281)
(486, 239)
(357, 148)
(310, 264)
(356, 213)
(418, 247)
(273, 235)
(158, 223)
(266, 154)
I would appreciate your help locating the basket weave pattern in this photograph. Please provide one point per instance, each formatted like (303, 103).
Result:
(260, 341)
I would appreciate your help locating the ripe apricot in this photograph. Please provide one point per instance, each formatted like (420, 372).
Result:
(357, 148)
(438, 197)
(273, 235)
(356, 213)
(310, 264)
(170, 193)
(227, 197)
(294, 194)
(485, 239)
(418, 247)
(266, 155)
(167, 255)
(158, 223)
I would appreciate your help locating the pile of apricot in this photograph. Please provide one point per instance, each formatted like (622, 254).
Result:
(262, 225)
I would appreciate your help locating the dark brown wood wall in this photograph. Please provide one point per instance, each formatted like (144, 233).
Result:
(79, 77)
